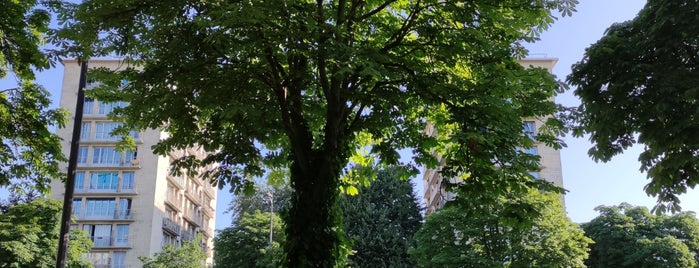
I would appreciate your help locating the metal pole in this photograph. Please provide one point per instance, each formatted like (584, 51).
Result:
(271, 217)
(72, 164)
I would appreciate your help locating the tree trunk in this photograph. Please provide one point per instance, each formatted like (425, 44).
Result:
(313, 221)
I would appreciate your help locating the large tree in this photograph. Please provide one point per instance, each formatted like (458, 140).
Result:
(380, 222)
(628, 236)
(29, 236)
(29, 152)
(639, 84)
(493, 234)
(297, 83)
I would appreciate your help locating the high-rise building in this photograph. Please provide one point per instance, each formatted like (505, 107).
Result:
(435, 194)
(128, 202)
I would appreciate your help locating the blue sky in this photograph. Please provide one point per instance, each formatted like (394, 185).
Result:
(589, 184)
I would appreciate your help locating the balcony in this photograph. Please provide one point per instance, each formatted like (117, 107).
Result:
(177, 180)
(187, 235)
(210, 191)
(122, 163)
(192, 217)
(91, 190)
(174, 200)
(206, 208)
(192, 196)
(171, 226)
(111, 242)
(119, 214)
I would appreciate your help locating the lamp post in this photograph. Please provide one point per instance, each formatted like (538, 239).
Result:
(271, 217)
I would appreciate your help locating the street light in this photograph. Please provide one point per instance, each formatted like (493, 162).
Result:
(271, 216)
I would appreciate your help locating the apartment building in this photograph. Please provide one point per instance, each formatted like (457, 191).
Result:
(128, 202)
(435, 195)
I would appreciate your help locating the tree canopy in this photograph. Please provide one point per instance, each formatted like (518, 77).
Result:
(304, 85)
(29, 236)
(189, 254)
(380, 222)
(30, 153)
(246, 244)
(628, 236)
(493, 235)
(638, 85)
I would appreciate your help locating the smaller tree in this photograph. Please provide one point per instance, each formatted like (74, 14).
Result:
(29, 236)
(628, 236)
(381, 220)
(489, 235)
(190, 254)
(247, 243)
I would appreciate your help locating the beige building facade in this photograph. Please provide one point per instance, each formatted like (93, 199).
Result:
(128, 202)
(435, 195)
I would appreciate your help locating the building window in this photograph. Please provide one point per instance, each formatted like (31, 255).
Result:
(79, 181)
(82, 155)
(122, 235)
(103, 130)
(534, 174)
(104, 181)
(77, 206)
(85, 131)
(529, 129)
(106, 156)
(101, 235)
(88, 105)
(107, 107)
(100, 208)
(531, 151)
(124, 208)
(127, 181)
(119, 259)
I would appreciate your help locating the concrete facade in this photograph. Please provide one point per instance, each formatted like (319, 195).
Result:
(128, 202)
(435, 195)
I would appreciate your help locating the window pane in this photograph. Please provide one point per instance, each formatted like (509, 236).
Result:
(119, 259)
(531, 151)
(82, 155)
(77, 207)
(102, 130)
(79, 181)
(105, 181)
(107, 107)
(88, 106)
(122, 235)
(127, 181)
(100, 208)
(529, 129)
(85, 131)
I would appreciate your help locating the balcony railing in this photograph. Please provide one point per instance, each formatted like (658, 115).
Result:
(170, 225)
(108, 190)
(110, 242)
(174, 199)
(119, 214)
(187, 236)
(192, 217)
(131, 163)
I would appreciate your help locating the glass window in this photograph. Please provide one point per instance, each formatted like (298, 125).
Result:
(107, 107)
(85, 131)
(104, 181)
(82, 155)
(127, 181)
(529, 129)
(124, 208)
(102, 130)
(531, 151)
(100, 208)
(106, 156)
(77, 206)
(119, 259)
(79, 181)
(101, 235)
(88, 106)
(122, 234)
(534, 174)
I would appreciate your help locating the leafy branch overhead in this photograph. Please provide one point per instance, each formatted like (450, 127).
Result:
(638, 85)
(297, 84)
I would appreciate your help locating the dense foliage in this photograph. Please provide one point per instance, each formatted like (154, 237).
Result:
(380, 221)
(246, 244)
(639, 84)
(493, 235)
(189, 254)
(302, 84)
(30, 153)
(29, 236)
(627, 236)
